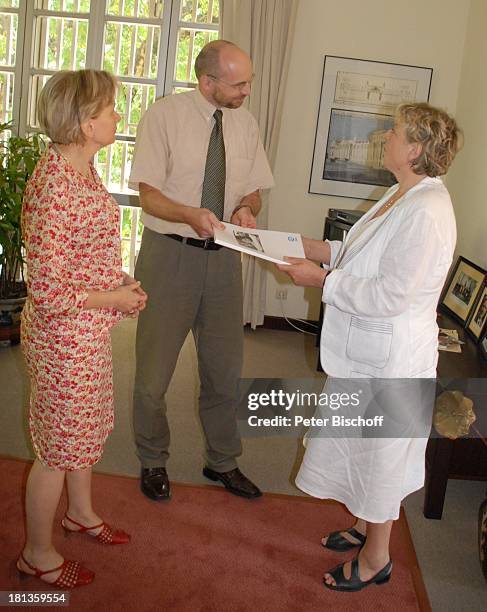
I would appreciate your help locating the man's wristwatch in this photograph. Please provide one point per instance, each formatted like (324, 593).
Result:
(242, 206)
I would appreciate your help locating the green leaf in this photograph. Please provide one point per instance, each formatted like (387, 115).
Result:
(18, 157)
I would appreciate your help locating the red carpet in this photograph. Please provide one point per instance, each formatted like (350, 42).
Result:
(207, 550)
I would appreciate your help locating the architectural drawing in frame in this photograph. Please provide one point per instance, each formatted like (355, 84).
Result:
(358, 99)
(385, 93)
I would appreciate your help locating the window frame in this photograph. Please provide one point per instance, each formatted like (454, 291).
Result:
(17, 69)
(165, 81)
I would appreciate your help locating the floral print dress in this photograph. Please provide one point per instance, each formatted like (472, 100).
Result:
(71, 229)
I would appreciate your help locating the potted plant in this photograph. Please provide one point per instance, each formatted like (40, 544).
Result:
(18, 157)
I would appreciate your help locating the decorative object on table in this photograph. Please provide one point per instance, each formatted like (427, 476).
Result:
(462, 289)
(453, 414)
(448, 341)
(483, 537)
(18, 157)
(477, 322)
(357, 103)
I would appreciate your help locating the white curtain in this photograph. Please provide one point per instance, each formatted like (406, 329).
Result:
(264, 29)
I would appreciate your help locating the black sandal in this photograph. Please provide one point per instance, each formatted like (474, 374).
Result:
(354, 583)
(337, 542)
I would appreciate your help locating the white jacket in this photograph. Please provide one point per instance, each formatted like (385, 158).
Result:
(382, 293)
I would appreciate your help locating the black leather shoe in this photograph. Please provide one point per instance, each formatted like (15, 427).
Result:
(235, 482)
(154, 483)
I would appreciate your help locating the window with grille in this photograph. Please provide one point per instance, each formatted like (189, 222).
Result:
(150, 45)
(198, 24)
(9, 64)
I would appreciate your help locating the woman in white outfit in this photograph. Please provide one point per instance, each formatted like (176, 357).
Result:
(381, 288)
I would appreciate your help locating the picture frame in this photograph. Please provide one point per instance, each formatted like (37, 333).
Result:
(477, 321)
(357, 103)
(461, 289)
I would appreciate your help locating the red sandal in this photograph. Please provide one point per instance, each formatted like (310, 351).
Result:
(106, 536)
(72, 575)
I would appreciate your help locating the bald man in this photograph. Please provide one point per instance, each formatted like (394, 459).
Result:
(198, 161)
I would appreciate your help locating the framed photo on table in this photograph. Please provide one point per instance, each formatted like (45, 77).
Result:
(476, 324)
(462, 289)
(357, 104)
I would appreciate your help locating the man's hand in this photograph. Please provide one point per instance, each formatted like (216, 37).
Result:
(158, 205)
(203, 221)
(244, 217)
(247, 210)
(303, 272)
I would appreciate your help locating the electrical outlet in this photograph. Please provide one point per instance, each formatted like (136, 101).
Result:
(281, 294)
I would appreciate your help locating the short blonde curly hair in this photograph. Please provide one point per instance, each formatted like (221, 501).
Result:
(436, 131)
(70, 98)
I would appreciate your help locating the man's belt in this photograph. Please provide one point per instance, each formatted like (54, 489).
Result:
(209, 244)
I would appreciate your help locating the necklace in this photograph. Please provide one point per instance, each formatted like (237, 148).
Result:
(385, 207)
(397, 196)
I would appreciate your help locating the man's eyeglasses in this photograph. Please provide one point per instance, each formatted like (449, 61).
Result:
(237, 86)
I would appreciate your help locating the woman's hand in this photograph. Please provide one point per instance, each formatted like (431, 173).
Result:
(127, 279)
(130, 280)
(130, 298)
(316, 250)
(303, 272)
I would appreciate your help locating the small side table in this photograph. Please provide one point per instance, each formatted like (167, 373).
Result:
(465, 458)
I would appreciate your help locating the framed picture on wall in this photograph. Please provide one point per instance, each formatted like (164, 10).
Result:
(476, 323)
(462, 289)
(357, 103)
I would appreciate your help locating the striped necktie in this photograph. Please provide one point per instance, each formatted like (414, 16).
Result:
(213, 193)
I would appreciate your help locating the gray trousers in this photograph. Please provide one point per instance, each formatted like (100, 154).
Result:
(189, 289)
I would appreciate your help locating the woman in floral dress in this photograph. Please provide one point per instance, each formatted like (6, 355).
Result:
(76, 293)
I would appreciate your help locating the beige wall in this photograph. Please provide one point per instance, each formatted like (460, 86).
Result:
(419, 32)
(467, 180)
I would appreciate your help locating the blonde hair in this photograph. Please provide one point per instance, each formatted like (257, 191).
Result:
(69, 99)
(436, 131)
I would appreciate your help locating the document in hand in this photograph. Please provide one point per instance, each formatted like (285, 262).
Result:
(266, 244)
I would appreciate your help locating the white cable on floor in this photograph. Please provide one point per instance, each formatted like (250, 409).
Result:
(307, 323)
(292, 324)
